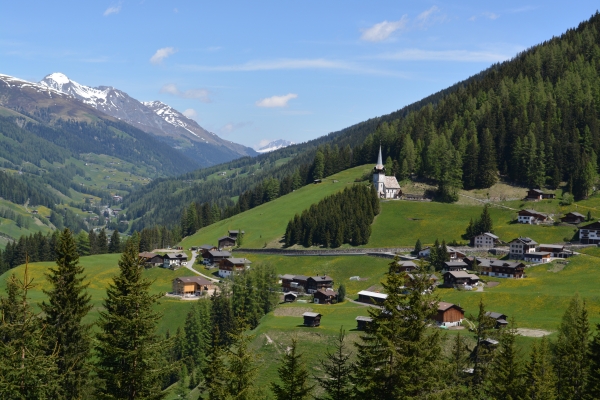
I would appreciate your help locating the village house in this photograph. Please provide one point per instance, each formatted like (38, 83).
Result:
(556, 250)
(174, 260)
(590, 234)
(362, 322)
(365, 296)
(205, 248)
(215, 256)
(151, 259)
(230, 266)
(573, 218)
(531, 217)
(234, 234)
(449, 314)
(289, 297)
(410, 281)
(325, 296)
(192, 285)
(521, 246)
(452, 253)
(537, 194)
(406, 266)
(502, 269)
(538, 257)
(294, 283)
(485, 240)
(501, 319)
(225, 242)
(452, 278)
(315, 283)
(387, 186)
(312, 319)
(457, 265)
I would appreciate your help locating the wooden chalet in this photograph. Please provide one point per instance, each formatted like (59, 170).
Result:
(289, 297)
(452, 278)
(363, 322)
(556, 250)
(325, 296)
(225, 242)
(590, 234)
(205, 248)
(449, 314)
(537, 194)
(192, 285)
(312, 319)
(406, 266)
(458, 265)
(234, 234)
(151, 259)
(365, 296)
(230, 266)
(485, 240)
(531, 217)
(174, 260)
(500, 268)
(573, 218)
(501, 319)
(538, 257)
(215, 256)
(315, 283)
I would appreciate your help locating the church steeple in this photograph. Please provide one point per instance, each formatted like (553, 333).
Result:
(379, 166)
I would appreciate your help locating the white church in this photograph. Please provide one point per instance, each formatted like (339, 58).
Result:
(387, 186)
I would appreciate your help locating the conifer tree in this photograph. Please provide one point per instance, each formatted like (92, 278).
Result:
(418, 247)
(197, 335)
(487, 170)
(102, 242)
(540, 382)
(571, 358)
(214, 372)
(485, 221)
(319, 165)
(68, 303)
(482, 355)
(26, 370)
(337, 369)
(459, 362)
(506, 369)
(83, 244)
(241, 368)
(129, 353)
(341, 293)
(293, 376)
(93, 238)
(115, 242)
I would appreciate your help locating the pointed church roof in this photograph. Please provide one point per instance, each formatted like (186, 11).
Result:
(379, 165)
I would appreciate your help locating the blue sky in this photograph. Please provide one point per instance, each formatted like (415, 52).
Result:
(263, 70)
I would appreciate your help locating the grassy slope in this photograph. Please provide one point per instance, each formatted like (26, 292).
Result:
(99, 271)
(267, 223)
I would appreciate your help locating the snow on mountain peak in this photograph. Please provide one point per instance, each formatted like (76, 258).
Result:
(58, 77)
(275, 145)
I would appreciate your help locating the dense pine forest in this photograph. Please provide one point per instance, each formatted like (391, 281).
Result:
(344, 217)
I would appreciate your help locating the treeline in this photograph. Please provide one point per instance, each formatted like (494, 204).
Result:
(344, 217)
(158, 237)
(19, 188)
(534, 119)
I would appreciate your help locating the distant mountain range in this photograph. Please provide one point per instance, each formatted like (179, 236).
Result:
(59, 93)
(275, 145)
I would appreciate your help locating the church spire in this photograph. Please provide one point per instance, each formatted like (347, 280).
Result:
(379, 166)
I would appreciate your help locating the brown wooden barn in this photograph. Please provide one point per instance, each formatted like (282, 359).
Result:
(449, 314)
(312, 319)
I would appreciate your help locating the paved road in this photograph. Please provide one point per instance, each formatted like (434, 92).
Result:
(190, 264)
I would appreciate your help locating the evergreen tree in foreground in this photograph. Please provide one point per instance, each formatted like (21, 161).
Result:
(337, 369)
(540, 383)
(506, 372)
(293, 376)
(26, 370)
(68, 303)
(241, 368)
(115, 242)
(130, 363)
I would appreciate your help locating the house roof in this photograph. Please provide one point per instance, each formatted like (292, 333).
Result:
(328, 292)
(524, 240)
(226, 237)
(532, 212)
(194, 279)
(239, 260)
(490, 235)
(494, 315)
(462, 274)
(207, 247)
(506, 264)
(300, 278)
(311, 314)
(287, 276)
(175, 256)
(147, 254)
(576, 214)
(366, 319)
(390, 182)
(322, 278)
(455, 263)
(538, 254)
(553, 246)
(443, 306)
(216, 253)
(373, 294)
(407, 264)
(236, 232)
(290, 294)
(536, 190)
(593, 225)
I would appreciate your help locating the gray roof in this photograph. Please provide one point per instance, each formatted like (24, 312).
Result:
(226, 237)
(553, 246)
(491, 235)
(373, 294)
(505, 264)
(407, 264)
(206, 246)
(311, 314)
(391, 182)
(196, 279)
(290, 293)
(537, 191)
(524, 240)
(455, 263)
(462, 274)
(366, 319)
(216, 253)
(494, 315)
(575, 213)
(538, 254)
(322, 278)
(534, 212)
(239, 260)
(300, 277)
(287, 276)
(175, 256)
(443, 306)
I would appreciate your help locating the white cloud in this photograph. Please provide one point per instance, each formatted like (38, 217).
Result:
(112, 10)
(161, 54)
(262, 143)
(444, 55)
(425, 15)
(383, 30)
(197, 94)
(190, 113)
(276, 101)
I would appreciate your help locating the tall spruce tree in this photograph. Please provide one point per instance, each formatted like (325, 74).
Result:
(102, 242)
(93, 239)
(482, 354)
(540, 382)
(115, 242)
(241, 368)
(506, 378)
(337, 369)
(129, 353)
(459, 363)
(398, 357)
(68, 303)
(592, 387)
(293, 376)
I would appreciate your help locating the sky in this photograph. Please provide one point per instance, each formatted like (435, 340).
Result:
(258, 71)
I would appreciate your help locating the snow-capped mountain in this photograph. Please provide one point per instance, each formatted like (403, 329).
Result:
(153, 117)
(275, 145)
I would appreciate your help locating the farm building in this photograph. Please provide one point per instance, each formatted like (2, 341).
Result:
(501, 269)
(225, 242)
(573, 218)
(458, 265)
(452, 278)
(531, 217)
(215, 256)
(315, 283)
(325, 296)
(289, 297)
(449, 314)
(406, 266)
(312, 319)
(410, 279)
(538, 257)
(234, 234)
(205, 248)
(537, 194)
(362, 322)
(230, 266)
(152, 259)
(365, 296)
(501, 319)
(556, 250)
